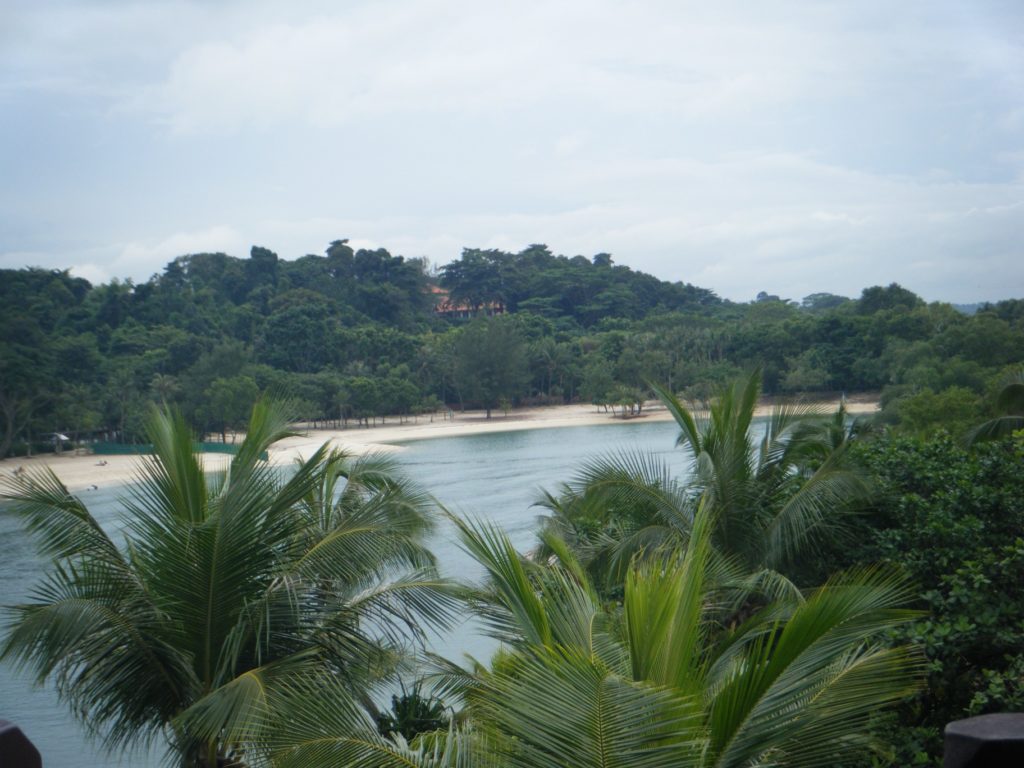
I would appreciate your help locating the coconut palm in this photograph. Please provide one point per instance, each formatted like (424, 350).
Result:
(773, 500)
(1010, 405)
(772, 495)
(660, 682)
(231, 588)
(615, 509)
(323, 729)
(657, 682)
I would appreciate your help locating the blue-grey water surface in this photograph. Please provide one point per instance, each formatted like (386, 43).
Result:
(494, 477)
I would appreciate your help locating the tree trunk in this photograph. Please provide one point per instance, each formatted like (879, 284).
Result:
(8, 435)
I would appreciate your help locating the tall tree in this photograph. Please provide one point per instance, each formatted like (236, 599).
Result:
(490, 362)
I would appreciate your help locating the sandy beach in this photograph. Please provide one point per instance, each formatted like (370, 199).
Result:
(83, 472)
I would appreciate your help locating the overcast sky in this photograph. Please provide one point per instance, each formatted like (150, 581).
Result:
(791, 147)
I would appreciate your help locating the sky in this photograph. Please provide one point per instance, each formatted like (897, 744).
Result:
(785, 146)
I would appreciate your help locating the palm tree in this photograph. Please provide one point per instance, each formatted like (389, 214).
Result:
(616, 509)
(656, 682)
(660, 682)
(772, 497)
(1010, 405)
(231, 590)
(771, 501)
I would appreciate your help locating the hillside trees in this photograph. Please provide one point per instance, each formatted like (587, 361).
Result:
(491, 362)
(355, 313)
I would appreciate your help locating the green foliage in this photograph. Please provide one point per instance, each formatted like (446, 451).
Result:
(413, 713)
(663, 682)
(593, 330)
(491, 362)
(775, 497)
(808, 372)
(1009, 411)
(228, 402)
(817, 302)
(955, 410)
(894, 297)
(535, 280)
(233, 590)
(952, 518)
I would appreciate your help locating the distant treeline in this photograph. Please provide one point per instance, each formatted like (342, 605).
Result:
(353, 336)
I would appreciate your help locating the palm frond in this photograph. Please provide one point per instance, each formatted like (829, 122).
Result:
(630, 479)
(171, 481)
(241, 710)
(223, 577)
(343, 737)
(822, 653)
(409, 604)
(508, 577)
(995, 429)
(664, 611)
(817, 507)
(268, 424)
(602, 719)
(105, 649)
(62, 525)
(689, 433)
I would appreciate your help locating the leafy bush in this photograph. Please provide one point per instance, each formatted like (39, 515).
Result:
(954, 519)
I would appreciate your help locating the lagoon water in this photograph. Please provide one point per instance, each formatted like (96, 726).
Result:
(494, 477)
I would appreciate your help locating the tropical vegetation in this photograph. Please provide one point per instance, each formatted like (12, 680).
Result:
(952, 520)
(657, 681)
(664, 678)
(251, 617)
(231, 591)
(254, 615)
(775, 487)
(360, 335)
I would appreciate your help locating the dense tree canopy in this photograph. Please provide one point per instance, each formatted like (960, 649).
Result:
(952, 519)
(354, 334)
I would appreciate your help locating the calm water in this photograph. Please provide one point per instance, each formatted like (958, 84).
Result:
(494, 477)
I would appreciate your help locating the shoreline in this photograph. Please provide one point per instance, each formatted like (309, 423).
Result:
(84, 472)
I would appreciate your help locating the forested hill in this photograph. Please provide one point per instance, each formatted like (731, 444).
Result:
(362, 334)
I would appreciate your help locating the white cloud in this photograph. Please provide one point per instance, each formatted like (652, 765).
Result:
(141, 259)
(422, 57)
(799, 227)
(790, 147)
(94, 273)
